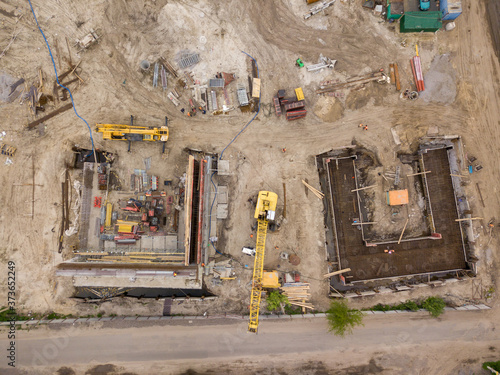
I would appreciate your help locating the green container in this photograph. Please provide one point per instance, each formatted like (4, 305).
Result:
(415, 22)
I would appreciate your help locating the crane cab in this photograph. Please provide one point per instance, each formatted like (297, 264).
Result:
(265, 208)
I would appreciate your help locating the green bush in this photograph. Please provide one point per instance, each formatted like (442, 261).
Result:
(408, 305)
(494, 365)
(435, 306)
(275, 299)
(342, 319)
(381, 307)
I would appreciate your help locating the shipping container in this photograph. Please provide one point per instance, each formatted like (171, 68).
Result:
(415, 22)
(450, 9)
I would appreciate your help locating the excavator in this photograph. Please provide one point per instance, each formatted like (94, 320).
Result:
(133, 133)
(265, 212)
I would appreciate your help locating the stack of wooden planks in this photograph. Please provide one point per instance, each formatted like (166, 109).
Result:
(315, 191)
(298, 294)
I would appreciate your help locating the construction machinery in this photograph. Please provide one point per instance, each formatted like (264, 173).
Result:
(265, 212)
(133, 133)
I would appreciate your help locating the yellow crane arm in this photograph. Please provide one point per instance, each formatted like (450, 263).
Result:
(258, 270)
(122, 132)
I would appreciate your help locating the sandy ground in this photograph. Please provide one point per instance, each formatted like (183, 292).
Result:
(275, 34)
(456, 343)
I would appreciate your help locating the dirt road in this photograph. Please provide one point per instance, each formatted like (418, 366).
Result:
(457, 343)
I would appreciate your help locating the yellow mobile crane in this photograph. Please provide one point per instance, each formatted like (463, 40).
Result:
(265, 211)
(133, 133)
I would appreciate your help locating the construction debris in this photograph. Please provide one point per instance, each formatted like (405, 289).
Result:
(318, 8)
(58, 111)
(7, 150)
(324, 62)
(378, 76)
(88, 40)
(188, 59)
(294, 108)
(298, 294)
(315, 191)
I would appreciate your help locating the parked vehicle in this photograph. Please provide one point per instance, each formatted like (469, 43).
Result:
(425, 4)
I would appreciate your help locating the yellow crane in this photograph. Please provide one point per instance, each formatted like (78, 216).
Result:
(134, 133)
(265, 212)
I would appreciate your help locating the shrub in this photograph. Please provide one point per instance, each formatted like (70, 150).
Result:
(275, 299)
(494, 365)
(435, 306)
(408, 305)
(342, 319)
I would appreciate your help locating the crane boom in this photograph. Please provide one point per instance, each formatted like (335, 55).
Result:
(132, 132)
(264, 212)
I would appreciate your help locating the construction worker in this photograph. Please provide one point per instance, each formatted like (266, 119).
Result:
(360, 125)
(189, 114)
(365, 127)
(283, 149)
(183, 110)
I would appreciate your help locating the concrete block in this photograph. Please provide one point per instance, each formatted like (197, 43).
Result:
(461, 308)
(177, 317)
(391, 312)
(31, 322)
(57, 320)
(165, 317)
(223, 167)
(350, 295)
(447, 308)
(4, 323)
(384, 290)
(44, 321)
(130, 318)
(421, 285)
(368, 293)
(379, 312)
(107, 319)
(471, 307)
(483, 307)
(142, 318)
(93, 319)
(154, 318)
(297, 316)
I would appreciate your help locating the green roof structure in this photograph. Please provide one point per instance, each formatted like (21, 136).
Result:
(415, 22)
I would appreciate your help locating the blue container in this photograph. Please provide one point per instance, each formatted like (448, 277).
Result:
(450, 9)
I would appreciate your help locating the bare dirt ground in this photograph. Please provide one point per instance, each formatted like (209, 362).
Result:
(275, 34)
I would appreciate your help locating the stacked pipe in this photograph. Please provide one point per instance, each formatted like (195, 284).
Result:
(416, 67)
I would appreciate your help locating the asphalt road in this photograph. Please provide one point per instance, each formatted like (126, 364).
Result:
(396, 334)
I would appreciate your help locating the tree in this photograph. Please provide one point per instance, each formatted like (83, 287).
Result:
(275, 300)
(342, 319)
(494, 365)
(435, 306)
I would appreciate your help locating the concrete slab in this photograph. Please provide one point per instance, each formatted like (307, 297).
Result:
(223, 167)
(222, 211)
(222, 194)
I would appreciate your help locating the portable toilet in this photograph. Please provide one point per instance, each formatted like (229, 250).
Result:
(450, 9)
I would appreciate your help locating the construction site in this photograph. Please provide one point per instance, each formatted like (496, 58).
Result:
(326, 150)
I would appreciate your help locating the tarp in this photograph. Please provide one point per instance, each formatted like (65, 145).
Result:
(414, 22)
